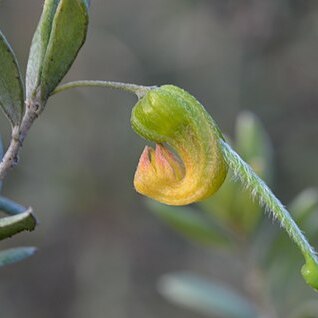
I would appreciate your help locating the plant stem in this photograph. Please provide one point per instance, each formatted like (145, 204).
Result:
(261, 191)
(34, 107)
(139, 90)
(10, 159)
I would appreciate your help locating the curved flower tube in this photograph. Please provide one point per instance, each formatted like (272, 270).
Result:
(170, 115)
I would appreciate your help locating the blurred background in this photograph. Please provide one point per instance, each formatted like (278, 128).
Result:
(101, 251)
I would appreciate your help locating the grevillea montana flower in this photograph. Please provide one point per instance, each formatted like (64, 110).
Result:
(170, 116)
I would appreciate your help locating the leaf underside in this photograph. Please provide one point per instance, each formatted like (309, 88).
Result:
(11, 86)
(14, 255)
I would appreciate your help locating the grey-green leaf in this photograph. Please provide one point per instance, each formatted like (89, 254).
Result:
(12, 225)
(1, 156)
(11, 86)
(14, 255)
(11, 207)
(1, 148)
(68, 34)
(190, 223)
(210, 298)
(38, 47)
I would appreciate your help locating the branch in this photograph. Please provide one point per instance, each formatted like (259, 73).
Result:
(10, 159)
(35, 107)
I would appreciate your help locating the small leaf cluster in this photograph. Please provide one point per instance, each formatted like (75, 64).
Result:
(58, 38)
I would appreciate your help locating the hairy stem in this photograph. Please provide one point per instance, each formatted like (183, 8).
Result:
(139, 90)
(261, 191)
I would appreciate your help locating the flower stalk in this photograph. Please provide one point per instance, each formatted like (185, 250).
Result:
(169, 115)
(259, 190)
(138, 90)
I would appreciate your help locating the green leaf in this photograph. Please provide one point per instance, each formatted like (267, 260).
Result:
(253, 144)
(304, 208)
(38, 47)
(190, 223)
(1, 148)
(1, 156)
(14, 255)
(11, 86)
(12, 225)
(68, 34)
(60, 35)
(211, 298)
(234, 208)
(10, 206)
(232, 204)
(304, 204)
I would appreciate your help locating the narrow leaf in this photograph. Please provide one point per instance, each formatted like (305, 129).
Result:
(210, 298)
(11, 207)
(67, 36)
(14, 255)
(38, 47)
(304, 208)
(190, 223)
(11, 87)
(1, 148)
(304, 204)
(1, 156)
(12, 225)
(253, 144)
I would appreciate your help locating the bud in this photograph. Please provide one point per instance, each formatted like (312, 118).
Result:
(170, 116)
(310, 272)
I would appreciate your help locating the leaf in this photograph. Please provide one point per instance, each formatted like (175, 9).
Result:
(210, 298)
(232, 204)
(14, 255)
(59, 36)
(253, 144)
(304, 209)
(190, 223)
(1, 156)
(38, 47)
(234, 208)
(304, 204)
(1, 149)
(12, 225)
(10, 206)
(68, 34)
(11, 86)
